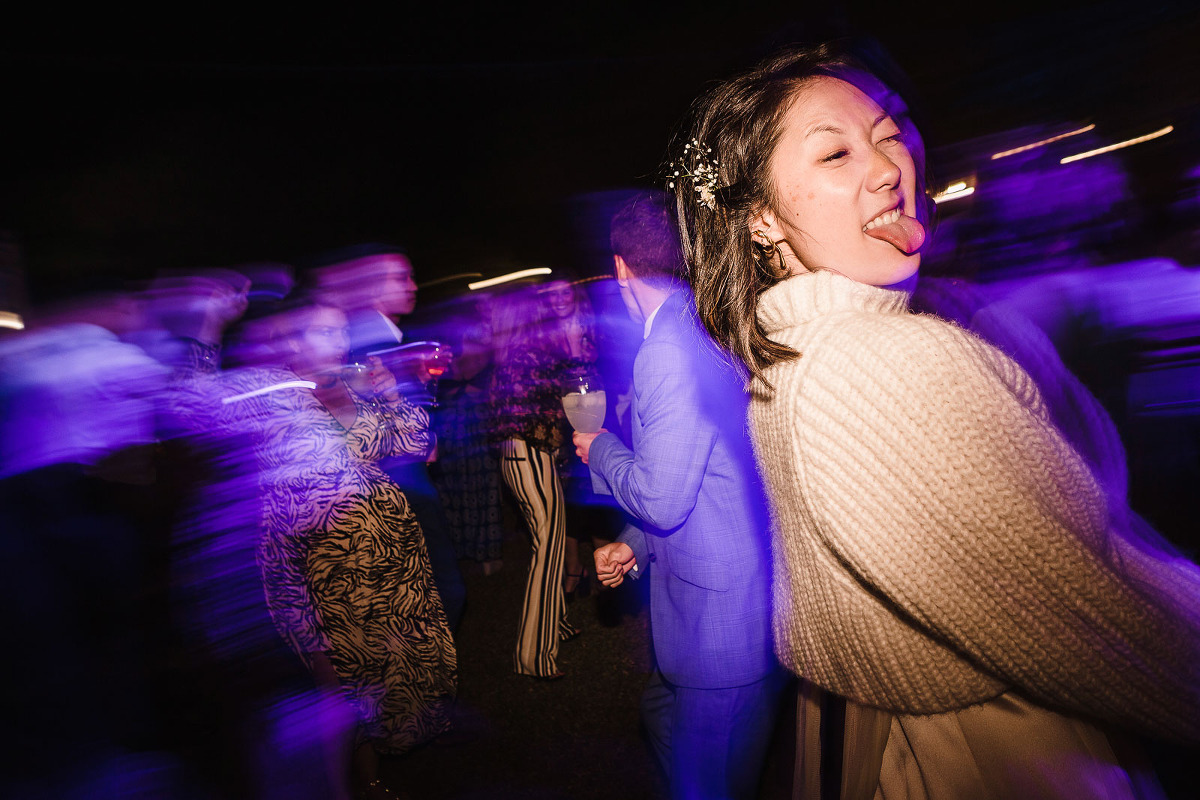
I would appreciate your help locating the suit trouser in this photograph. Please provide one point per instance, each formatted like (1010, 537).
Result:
(530, 474)
(712, 742)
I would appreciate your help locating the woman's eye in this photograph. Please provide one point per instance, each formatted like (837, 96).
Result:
(835, 155)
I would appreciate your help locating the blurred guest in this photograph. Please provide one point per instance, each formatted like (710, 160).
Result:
(76, 432)
(248, 339)
(700, 531)
(467, 471)
(528, 423)
(946, 562)
(228, 678)
(373, 284)
(194, 308)
(570, 321)
(347, 578)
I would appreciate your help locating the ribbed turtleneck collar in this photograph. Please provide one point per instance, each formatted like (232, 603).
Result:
(805, 297)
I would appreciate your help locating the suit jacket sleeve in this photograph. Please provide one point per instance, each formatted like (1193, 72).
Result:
(660, 482)
(635, 538)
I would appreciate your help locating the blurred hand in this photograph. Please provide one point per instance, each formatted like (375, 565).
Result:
(583, 443)
(613, 560)
(383, 382)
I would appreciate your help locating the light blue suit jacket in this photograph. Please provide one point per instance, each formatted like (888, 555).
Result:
(691, 483)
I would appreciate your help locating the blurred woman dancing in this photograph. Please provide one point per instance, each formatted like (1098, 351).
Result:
(529, 427)
(347, 578)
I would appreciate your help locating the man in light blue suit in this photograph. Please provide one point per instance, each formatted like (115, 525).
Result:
(701, 532)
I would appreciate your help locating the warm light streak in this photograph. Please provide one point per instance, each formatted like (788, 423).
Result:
(1042, 143)
(275, 387)
(954, 191)
(1118, 145)
(512, 276)
(10, 319)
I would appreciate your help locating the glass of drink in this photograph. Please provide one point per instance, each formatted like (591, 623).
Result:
(437, 361)
(583, 400)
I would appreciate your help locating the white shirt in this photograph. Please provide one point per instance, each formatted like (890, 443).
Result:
(650, 321)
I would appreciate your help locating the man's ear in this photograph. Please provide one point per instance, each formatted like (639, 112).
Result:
(621, 270)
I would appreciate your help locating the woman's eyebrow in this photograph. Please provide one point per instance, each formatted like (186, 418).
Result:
(826, 128)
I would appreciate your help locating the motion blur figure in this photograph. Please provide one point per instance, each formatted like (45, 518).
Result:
(572, 324)
(373, 284)
(1066, 246)
(228, 678)
(528, 424)
(700, 527)
(76, 430)
(946, 562)
(467, 470)
(347, 578)
(185, 308)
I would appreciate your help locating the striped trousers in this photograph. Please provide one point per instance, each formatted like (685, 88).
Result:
(530, 474)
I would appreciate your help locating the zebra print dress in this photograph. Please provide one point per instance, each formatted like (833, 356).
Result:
(343, 559)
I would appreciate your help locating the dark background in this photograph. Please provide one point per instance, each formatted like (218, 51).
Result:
(484, 139)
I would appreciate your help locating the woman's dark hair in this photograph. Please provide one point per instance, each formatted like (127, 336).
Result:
(737, 125)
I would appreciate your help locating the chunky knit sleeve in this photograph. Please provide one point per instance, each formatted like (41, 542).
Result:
(925, 476)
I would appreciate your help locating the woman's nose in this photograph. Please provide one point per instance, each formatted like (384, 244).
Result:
(885, 173)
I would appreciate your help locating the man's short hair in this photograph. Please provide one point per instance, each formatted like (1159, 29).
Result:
(355, 252)
(645, 234)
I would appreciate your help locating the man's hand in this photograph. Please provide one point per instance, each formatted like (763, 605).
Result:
(613, 560)
(583, 443)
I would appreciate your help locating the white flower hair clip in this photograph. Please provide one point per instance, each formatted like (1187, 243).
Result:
(699, 165)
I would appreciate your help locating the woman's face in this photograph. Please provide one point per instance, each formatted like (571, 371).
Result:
(325, 341)
(560, 297)
(845, 188)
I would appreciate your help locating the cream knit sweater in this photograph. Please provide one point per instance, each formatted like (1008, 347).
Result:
(937, 542)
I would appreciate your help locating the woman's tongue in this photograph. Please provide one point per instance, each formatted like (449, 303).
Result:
(905, 234)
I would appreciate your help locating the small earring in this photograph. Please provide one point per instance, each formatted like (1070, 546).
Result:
(766, 243)
(772, 255)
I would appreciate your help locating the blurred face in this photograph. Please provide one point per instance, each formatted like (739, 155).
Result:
(560, 297)
(397, 289)
(845, 188)
(382, 282)
(324, 342)
(231, 302)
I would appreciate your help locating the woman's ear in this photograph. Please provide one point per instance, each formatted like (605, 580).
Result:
(766, 233)
(764, 221)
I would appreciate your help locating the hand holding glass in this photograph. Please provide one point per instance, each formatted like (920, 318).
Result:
(585, 404)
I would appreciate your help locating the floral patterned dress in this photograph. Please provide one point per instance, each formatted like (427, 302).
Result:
(343, 559)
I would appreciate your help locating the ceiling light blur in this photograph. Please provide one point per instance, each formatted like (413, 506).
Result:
(954, 191)
(1042, 143)
(512, 276)
(1118, 145)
